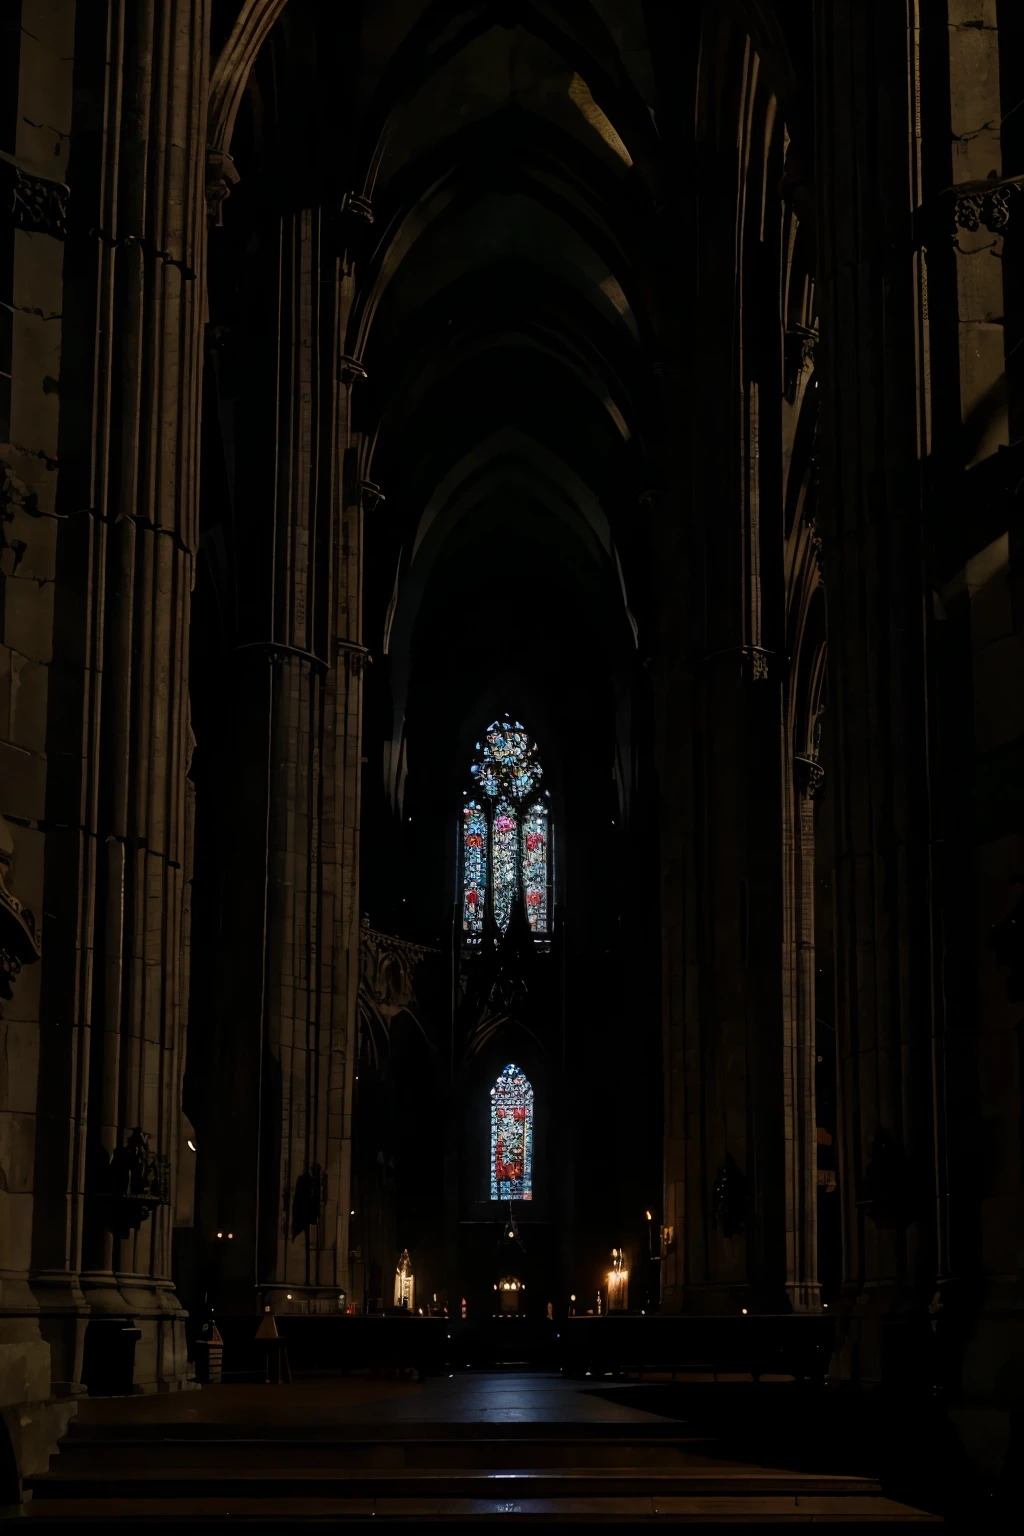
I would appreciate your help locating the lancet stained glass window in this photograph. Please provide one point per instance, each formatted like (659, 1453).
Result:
(505, 859)
(512, 1136)
(474, 883)
(535, 866)
(506, 834)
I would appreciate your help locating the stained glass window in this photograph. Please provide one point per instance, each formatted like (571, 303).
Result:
(474, 867)
(507, 764)
(535, 866)
(506, 835)
(512, 1137)
(505, 861)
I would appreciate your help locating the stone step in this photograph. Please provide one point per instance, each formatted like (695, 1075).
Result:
(696, 1510)
(411, 1482)
(84, 1454)
(95, 1429)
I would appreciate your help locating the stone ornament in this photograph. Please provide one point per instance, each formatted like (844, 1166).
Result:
(36, 204)
(221, 176)
(19, 941)
(984, 205)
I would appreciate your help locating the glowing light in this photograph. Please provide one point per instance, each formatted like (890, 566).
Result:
(191, 1146)
(618, 1282)
(220, 1234)
(405, 1282)
(744, 1310)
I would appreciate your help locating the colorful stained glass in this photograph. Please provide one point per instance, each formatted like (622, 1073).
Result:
(505, 861)
(512, 1137)
(474, 867)
(535, 866)
(505, 842)
(507, 764)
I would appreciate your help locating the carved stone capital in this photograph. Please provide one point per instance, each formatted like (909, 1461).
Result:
(35, 203)
(221, 176)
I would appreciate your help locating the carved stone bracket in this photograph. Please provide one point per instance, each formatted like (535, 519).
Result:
(356, 656)
(134, 1183)
(357, 207)
(221, 176)
(971, 205)
(34, 202)
(984, 204)
(350, 369)
(19, 942)
(350, 224)
(810, 777)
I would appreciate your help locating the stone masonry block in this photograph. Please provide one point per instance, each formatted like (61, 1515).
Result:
(28, 618)
(22, 783)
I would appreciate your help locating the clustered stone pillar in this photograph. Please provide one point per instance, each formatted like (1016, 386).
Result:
(870, 510)
(113, 1008)
(281, 1171)
(799, 980)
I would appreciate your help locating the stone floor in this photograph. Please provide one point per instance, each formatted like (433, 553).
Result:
(470, 1446)
(497, 1397)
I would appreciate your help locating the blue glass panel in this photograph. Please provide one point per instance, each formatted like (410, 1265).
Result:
(474, 867)
(504, 861)
(512, 1137)
(535, 866)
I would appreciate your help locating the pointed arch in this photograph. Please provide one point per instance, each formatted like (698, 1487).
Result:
(506, 833)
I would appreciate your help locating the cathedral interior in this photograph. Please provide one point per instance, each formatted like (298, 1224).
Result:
(512, 740)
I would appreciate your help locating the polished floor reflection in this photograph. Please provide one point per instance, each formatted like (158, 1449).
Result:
(467, 1446)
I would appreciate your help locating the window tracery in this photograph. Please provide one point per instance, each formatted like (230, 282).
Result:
(506, 833)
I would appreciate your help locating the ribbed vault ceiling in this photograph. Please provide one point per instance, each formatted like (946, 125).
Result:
(506, 322)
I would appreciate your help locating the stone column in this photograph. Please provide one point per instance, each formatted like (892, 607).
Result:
(39, 1215)
(299, 750)
(121, 521)
(149, 232)
(801, 784)
(871, 434)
